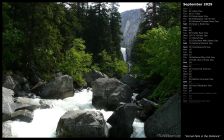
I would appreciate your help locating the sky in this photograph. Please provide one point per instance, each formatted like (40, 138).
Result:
(124, 6)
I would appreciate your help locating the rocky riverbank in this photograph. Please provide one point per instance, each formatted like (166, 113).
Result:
(106, 109)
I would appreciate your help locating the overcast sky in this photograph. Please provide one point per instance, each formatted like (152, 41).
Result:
(124, 6)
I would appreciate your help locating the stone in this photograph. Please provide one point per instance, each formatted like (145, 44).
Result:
(59, 88)
(166, 120)
(93, 75)
(20, 106)
(121, 120)
(7, 103)
(81, 123)
(22, 115)
(109, 92)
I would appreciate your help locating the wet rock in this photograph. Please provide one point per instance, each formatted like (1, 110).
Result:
(93, 75)
(122, 119)
(29, 107)
(166, 120)
(7, 103)
(109, 92)
(22, 115)
(59, 88)
(148, 108)
(81, 123)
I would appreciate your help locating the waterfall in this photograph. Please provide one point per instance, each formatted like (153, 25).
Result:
(124, 53)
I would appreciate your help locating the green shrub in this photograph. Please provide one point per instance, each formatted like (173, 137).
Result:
(160, 53)
(76, 62)
(112, 67)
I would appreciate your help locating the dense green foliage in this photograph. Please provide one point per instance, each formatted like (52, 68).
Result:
(69, 37)
(157, 51)
(76, 62)
(112, 67)
(75, 37)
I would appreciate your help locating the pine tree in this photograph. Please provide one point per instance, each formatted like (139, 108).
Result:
(150, 18)
(115, 20)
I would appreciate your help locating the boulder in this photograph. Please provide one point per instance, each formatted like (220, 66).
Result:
(7, 103)
(109, 92)
(6, 129)
(38, 87)
(28, 101)
(130, 80)
(146, 92)
(22, 115)
(148, 108)
(59, 88)
(93, 75)
(18, 84)
(20, 106)
(9, 83)
(166, 120)
(122, 119)
(21, 83)
(30, 104)
(81, 123)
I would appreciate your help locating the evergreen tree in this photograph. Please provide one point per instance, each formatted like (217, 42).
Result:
(150, 18)
(115, 20)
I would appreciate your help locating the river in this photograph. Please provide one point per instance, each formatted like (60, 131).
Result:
(45, 121)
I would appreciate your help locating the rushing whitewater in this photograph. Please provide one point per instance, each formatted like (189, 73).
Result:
(45, 121)
(124, 53)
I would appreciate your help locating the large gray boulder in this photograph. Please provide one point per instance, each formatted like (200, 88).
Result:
(7, 103)
(109, 92)
(22, 115)
(93, 75)
(59, 88)
(166, 120)
(17, 83)
(81, 123)
(30, 104)
(130, 80)
(122, 119)
(6, 129)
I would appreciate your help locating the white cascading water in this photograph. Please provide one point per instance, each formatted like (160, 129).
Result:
(124, 53)
(45, 121)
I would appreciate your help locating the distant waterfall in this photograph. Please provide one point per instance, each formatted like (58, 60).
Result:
(124, 53)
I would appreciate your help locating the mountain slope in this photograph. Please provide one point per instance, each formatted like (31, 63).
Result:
(130, 21)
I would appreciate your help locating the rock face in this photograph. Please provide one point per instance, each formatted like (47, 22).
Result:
(7, 103)
(59, 88)
(109, 92)
(82, 124)
(93, 75)
(130, 21)
(6, 129)
(166, 120)
(121, 120)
